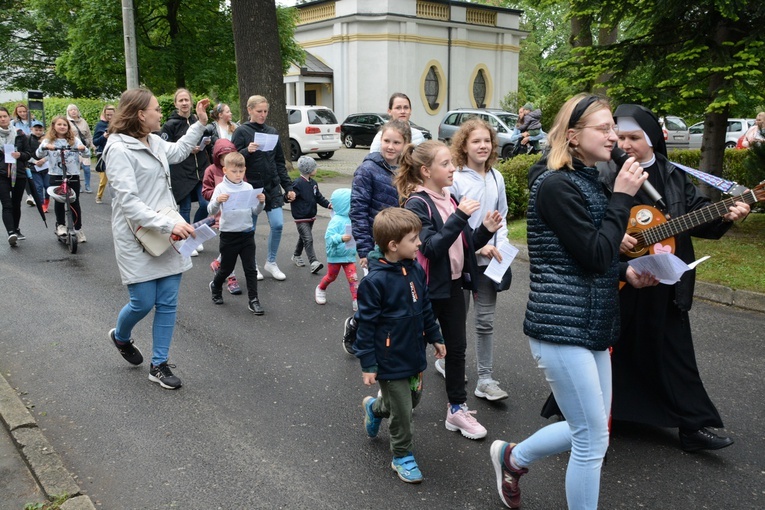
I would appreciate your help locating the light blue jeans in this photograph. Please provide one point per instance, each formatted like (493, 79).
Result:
(485, 304)
(276, 222)
(580, 379)
(160, 294)
(184, 206)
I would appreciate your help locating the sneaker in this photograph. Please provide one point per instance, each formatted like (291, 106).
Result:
(407, 469)
(440, 365)
(355, 305)
(316, 266)
(272, 268)
(31, 201)
(195, 253)
(254, 307)
(298, 260)
(61, 230)
(233, 286)
(371, 422)
(99, 201)
(46, 204)
(12, 238)
(20, 236)
(201, 248)
(490, 390)
(320, 295)
(87, 190)
(129, 351)
(215, 265)
(217, 296)
(260, 275)
(507, 476)
(463, 421)
(81, 236)
(164, 376)
(349, 335)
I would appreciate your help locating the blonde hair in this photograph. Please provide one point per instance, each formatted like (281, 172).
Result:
(181, 91)
(233, 159)
(51, 135)
(255, 100)
(412, 159)
(562, 153)
(106, 109)
(392, 224)
(459, 154)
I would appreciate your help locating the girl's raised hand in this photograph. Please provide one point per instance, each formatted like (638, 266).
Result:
(469, 206)
(492, 221)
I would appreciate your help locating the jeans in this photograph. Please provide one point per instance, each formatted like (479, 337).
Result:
(41, 182)
(160, 294)
(450, 313)
(485, 304)
(305, 240)
(86, 173)
(233, 245)
(399, 397)
(11, 196)
(58, 207)
(580, 379)
(276, 222)
(184, 205)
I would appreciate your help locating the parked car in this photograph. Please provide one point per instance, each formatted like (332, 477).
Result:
(735, 130)
(675, 132)
(313, 129)
(361, 128)
(503, 123)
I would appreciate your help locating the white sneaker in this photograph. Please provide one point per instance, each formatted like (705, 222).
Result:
(257, 270)
(490, 390)
(30, 201)
(440, 367)
(320, 295)
(81, 236)
(298, 260)
(355, 306)
(60, 230)
(200, 248)
(272, 268)
(195, 253)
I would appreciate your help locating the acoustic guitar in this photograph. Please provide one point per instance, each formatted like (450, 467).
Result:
(655, 233)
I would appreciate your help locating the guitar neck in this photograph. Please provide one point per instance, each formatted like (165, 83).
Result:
(695, 218)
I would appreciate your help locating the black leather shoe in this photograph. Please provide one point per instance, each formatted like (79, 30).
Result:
(255, 307)
(702, 439)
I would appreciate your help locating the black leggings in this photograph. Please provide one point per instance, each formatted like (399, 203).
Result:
(451, 315)
(11, 196)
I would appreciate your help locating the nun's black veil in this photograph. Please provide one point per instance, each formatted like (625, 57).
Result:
(647, 121)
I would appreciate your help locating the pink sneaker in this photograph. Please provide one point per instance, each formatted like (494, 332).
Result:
(463, 421)
(215, 265)
(233, 286)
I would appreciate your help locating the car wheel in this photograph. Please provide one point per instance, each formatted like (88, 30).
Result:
(325, 155)
(730, 145)
(294, 150)
(507, 151)
(349, 141)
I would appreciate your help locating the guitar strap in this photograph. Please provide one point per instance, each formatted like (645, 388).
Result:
(728, 187)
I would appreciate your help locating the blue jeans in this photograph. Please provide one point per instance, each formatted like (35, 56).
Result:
(41, 183)
(184, 206)
(86, 173)
(160, 294)
(276, 222)
(580, 379)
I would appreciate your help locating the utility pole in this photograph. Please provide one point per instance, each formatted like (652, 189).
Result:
(131, 55)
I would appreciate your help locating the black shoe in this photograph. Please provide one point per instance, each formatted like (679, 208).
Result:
(129, 351)
(702, 439)
(161, 374)
(255, 307)
(349, 335)
(217, 295)
(20, 236)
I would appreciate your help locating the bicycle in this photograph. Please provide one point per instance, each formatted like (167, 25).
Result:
(66, 195)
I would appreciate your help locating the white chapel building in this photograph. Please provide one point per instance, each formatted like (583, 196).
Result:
(443, 54)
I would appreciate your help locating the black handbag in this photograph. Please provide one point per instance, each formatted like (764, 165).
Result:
(101, 164)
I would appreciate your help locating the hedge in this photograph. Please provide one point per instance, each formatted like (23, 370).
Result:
(515, 171)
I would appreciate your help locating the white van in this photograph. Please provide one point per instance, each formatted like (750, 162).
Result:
(736, 129)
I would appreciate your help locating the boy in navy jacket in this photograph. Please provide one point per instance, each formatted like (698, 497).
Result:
(307, 195)
(395, 322)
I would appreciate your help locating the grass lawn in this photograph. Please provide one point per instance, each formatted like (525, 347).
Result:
(320, 176)
(738, 259)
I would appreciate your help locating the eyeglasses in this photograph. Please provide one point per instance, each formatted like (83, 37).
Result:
(606, 128)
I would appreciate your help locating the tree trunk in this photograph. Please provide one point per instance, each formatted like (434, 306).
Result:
(259, 62)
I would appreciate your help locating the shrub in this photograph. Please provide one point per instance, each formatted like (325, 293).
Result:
(516, 174)
(90, 109)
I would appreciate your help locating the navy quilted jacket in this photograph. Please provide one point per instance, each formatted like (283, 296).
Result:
(371, 192)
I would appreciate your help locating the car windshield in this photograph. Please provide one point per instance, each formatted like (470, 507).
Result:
(321, 117)
(508, 118)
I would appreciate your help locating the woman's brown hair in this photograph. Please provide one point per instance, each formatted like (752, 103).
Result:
(125, 120)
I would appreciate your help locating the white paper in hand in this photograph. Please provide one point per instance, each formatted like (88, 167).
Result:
(8, 148)
(667, 267)
(496, 270)
(203, 233)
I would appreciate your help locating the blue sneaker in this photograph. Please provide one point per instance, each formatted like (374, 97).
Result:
(406, 468)
(371, 422)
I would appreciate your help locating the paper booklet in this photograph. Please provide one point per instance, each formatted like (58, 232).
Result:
(667, 267)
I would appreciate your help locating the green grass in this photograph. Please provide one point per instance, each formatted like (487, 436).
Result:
(321, 175)
(738, 259)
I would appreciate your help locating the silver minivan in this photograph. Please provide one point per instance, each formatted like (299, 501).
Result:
(736, 129)
(675, 131)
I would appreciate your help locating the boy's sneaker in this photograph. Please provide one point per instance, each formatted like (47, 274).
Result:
(12, 238)
(320, 295)
(164, 376)
(407, 469)
(20, 236)
(371, 422)
(490, 390)
(129, 351)
(272, 268)
(507, 476)
(254, 307)
(349, 334)
(233, 286)
(298, 260)
(316, 266)
(215, 265)
(217, 295)
(463, 421)
(257, 270)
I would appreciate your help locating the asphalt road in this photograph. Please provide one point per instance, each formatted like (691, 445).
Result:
(270, 413)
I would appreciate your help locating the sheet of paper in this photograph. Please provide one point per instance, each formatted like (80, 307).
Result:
(265, 141)
(203, 234)
(667, 267)
(351, 243)
(242, 200)
(8, 148)
(496, 270)
(203, 143)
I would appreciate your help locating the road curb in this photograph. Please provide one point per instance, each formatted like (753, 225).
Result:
(43, 462)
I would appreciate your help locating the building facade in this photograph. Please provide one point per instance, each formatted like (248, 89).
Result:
(443, 54)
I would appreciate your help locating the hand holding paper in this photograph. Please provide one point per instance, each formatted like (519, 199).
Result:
(496, 270)
(667, 267)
